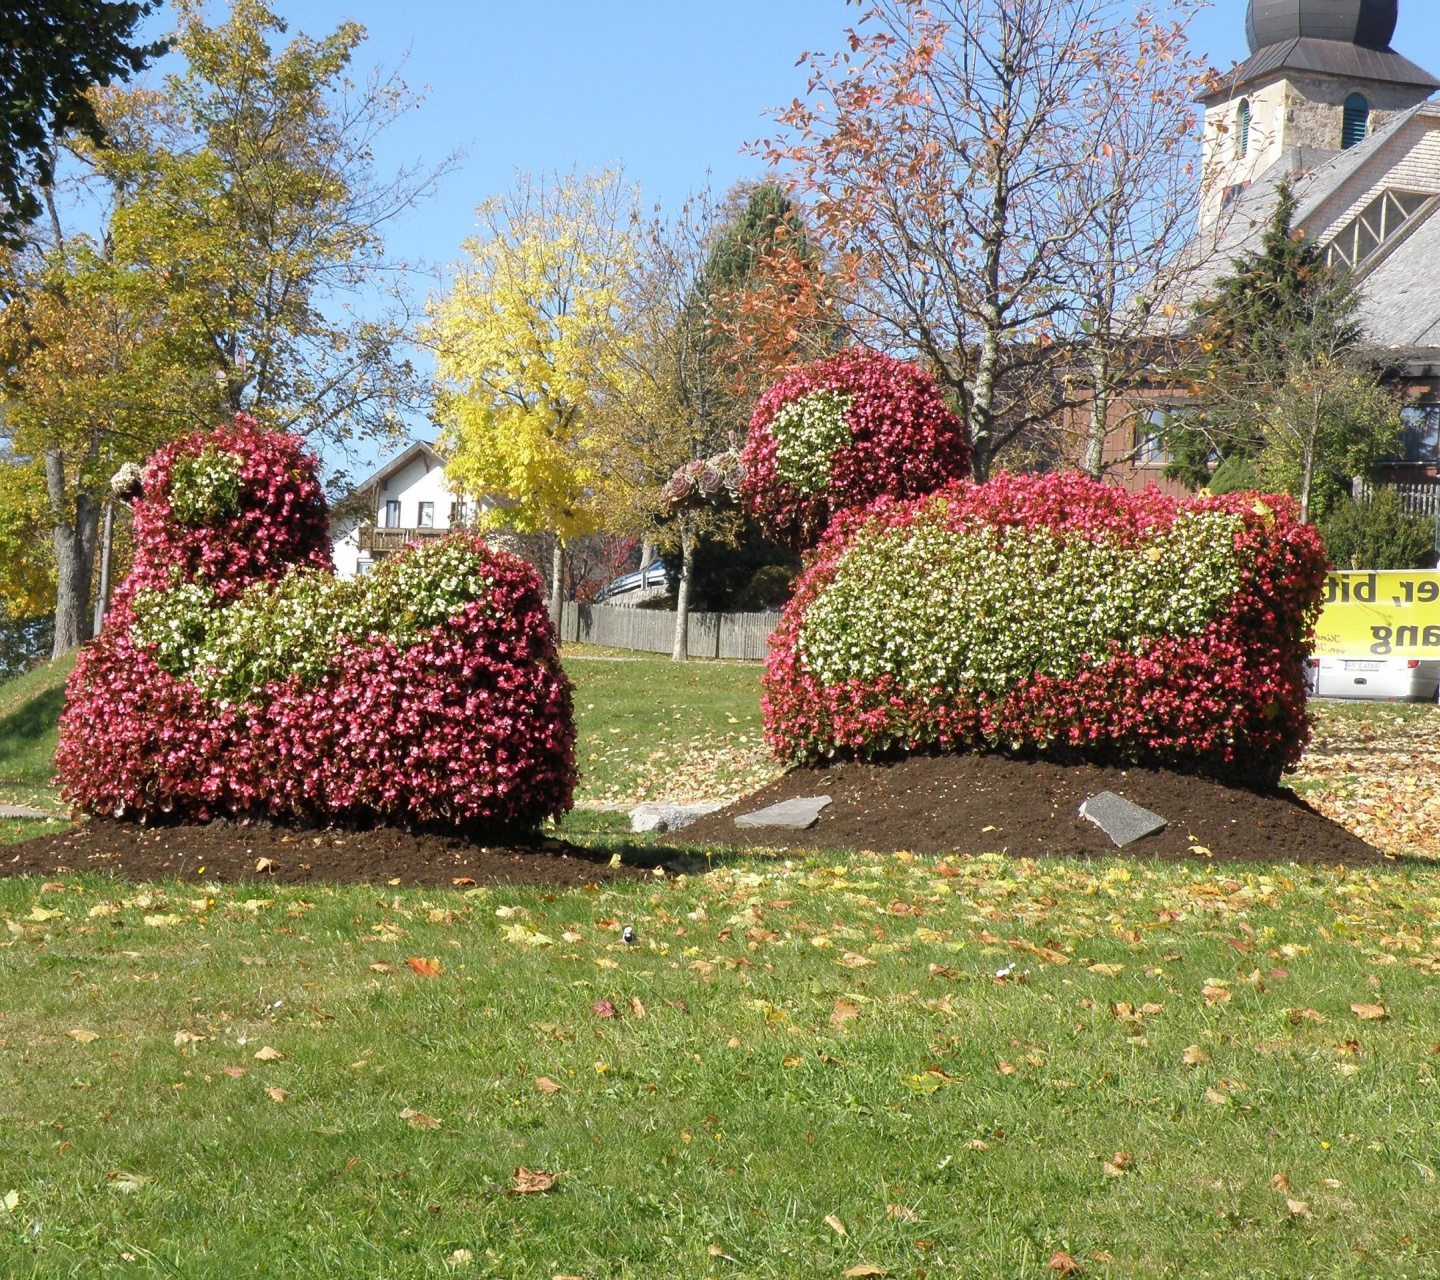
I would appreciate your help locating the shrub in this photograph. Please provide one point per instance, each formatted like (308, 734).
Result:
(1042, 612)
(841, 432)
(1378, 534)
(427, 692)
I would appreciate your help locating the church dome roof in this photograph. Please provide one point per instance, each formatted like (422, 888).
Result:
(1368, 23)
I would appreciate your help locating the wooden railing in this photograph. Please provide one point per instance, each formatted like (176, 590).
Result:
(1415, 499)
(375, 539)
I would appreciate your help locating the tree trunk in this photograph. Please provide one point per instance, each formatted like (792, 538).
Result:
(681, 651)
(74, 541)
(107, 551)
(982, 405)
(1094, 461)
(647, 553)
(557, 582)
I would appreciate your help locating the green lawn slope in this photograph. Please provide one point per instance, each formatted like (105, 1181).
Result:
(29, 713)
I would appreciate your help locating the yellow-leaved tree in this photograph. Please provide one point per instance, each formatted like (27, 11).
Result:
(523, 340)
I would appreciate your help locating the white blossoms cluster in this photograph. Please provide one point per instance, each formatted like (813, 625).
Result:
(936, 608)
(297, 626)
(807, 433)
(205, 486)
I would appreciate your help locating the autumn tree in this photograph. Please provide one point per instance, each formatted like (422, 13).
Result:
(241, 219)
(524, 340)
(52, 53)
(943, 153)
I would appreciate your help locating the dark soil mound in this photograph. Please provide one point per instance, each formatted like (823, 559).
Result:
(226, 851)
(992, 803)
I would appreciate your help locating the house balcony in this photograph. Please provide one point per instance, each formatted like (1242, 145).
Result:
(382, 541)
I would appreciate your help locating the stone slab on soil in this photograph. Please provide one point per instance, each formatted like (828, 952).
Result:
(25, 811)
(669, 817)
(227, 851)
(797, 814)
(988, 803)
(1122, 821)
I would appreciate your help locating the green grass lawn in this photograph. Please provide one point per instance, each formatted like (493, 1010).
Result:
(811, 1067)
(29, 711)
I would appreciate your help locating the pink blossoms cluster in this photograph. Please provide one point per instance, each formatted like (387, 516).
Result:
(466, 724)
(1222, 691)
(842, 432)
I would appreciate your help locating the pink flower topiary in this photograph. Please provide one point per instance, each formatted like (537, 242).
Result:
(447, 709)
(1053, 612)
(842, 432)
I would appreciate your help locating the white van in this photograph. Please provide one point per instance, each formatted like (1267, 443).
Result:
(1376, 679)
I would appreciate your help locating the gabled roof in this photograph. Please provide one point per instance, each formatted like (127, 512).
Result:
(1324, 57)
(399, 462)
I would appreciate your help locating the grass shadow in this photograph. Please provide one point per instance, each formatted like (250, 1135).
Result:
(27, 737)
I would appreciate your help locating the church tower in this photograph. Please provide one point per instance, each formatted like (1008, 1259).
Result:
(1321, 77)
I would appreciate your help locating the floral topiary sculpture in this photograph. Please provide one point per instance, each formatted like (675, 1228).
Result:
(237, 675)
(842, 432)
(1042, 612)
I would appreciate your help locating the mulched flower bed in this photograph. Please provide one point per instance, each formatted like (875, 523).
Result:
(986, 803)
(226, 851)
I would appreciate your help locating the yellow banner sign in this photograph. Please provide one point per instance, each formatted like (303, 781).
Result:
(1393, 613)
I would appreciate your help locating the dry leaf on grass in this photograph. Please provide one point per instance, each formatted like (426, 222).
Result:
(1370, 1012)
(1298, 1208)
(835, 1225)
(715, 1251)
(267, 1054)
(1216, 995)
(1107, 970)
(637, 1006)
(418, 1119)
(183, 1038)
(1280, 1183)
(263, 865)
(1216, 1099)
(530, 1181)
(460, 1258)
(276, 1094)
(866, 1269)
(546, 1085)
(1194, 1056)
(425, 968)
(1063, 1264)
(1297, 1016)
(381, 967)
(83, 1036)
(233, 1072)
(843, 1012)
(900, 1212)
(603, 1009)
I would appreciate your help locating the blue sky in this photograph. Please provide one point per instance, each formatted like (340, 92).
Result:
(671, 90)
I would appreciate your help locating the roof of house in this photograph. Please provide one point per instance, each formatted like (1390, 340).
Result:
(1401, 289)
(420, 449)
(1324, 57)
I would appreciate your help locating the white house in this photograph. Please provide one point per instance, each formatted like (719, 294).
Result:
(406, 500)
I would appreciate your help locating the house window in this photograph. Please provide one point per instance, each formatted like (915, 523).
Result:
(427, 515)
(1420, 433)
(455, 517)
(363, 567)
(1356, 126)
(1242, 128)
(392, 514)
(1152, 447)
(1375, 225)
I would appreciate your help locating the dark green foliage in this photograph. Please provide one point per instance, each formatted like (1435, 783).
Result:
(1378, 534)
(51, 53)
(1235, 474)
(745, 575)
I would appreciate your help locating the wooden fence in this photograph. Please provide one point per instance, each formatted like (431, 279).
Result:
(1415, 499)
(710, 635)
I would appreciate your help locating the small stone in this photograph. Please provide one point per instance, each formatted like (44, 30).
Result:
(797, 814)
(669, 817)
(1121, 820)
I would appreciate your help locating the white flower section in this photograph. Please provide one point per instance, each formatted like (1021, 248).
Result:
(205, 486)
(807, 433)
(936, 608)
(296, 626)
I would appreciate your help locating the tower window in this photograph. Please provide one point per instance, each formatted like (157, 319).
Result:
(1242, 128)
(1356, 127)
